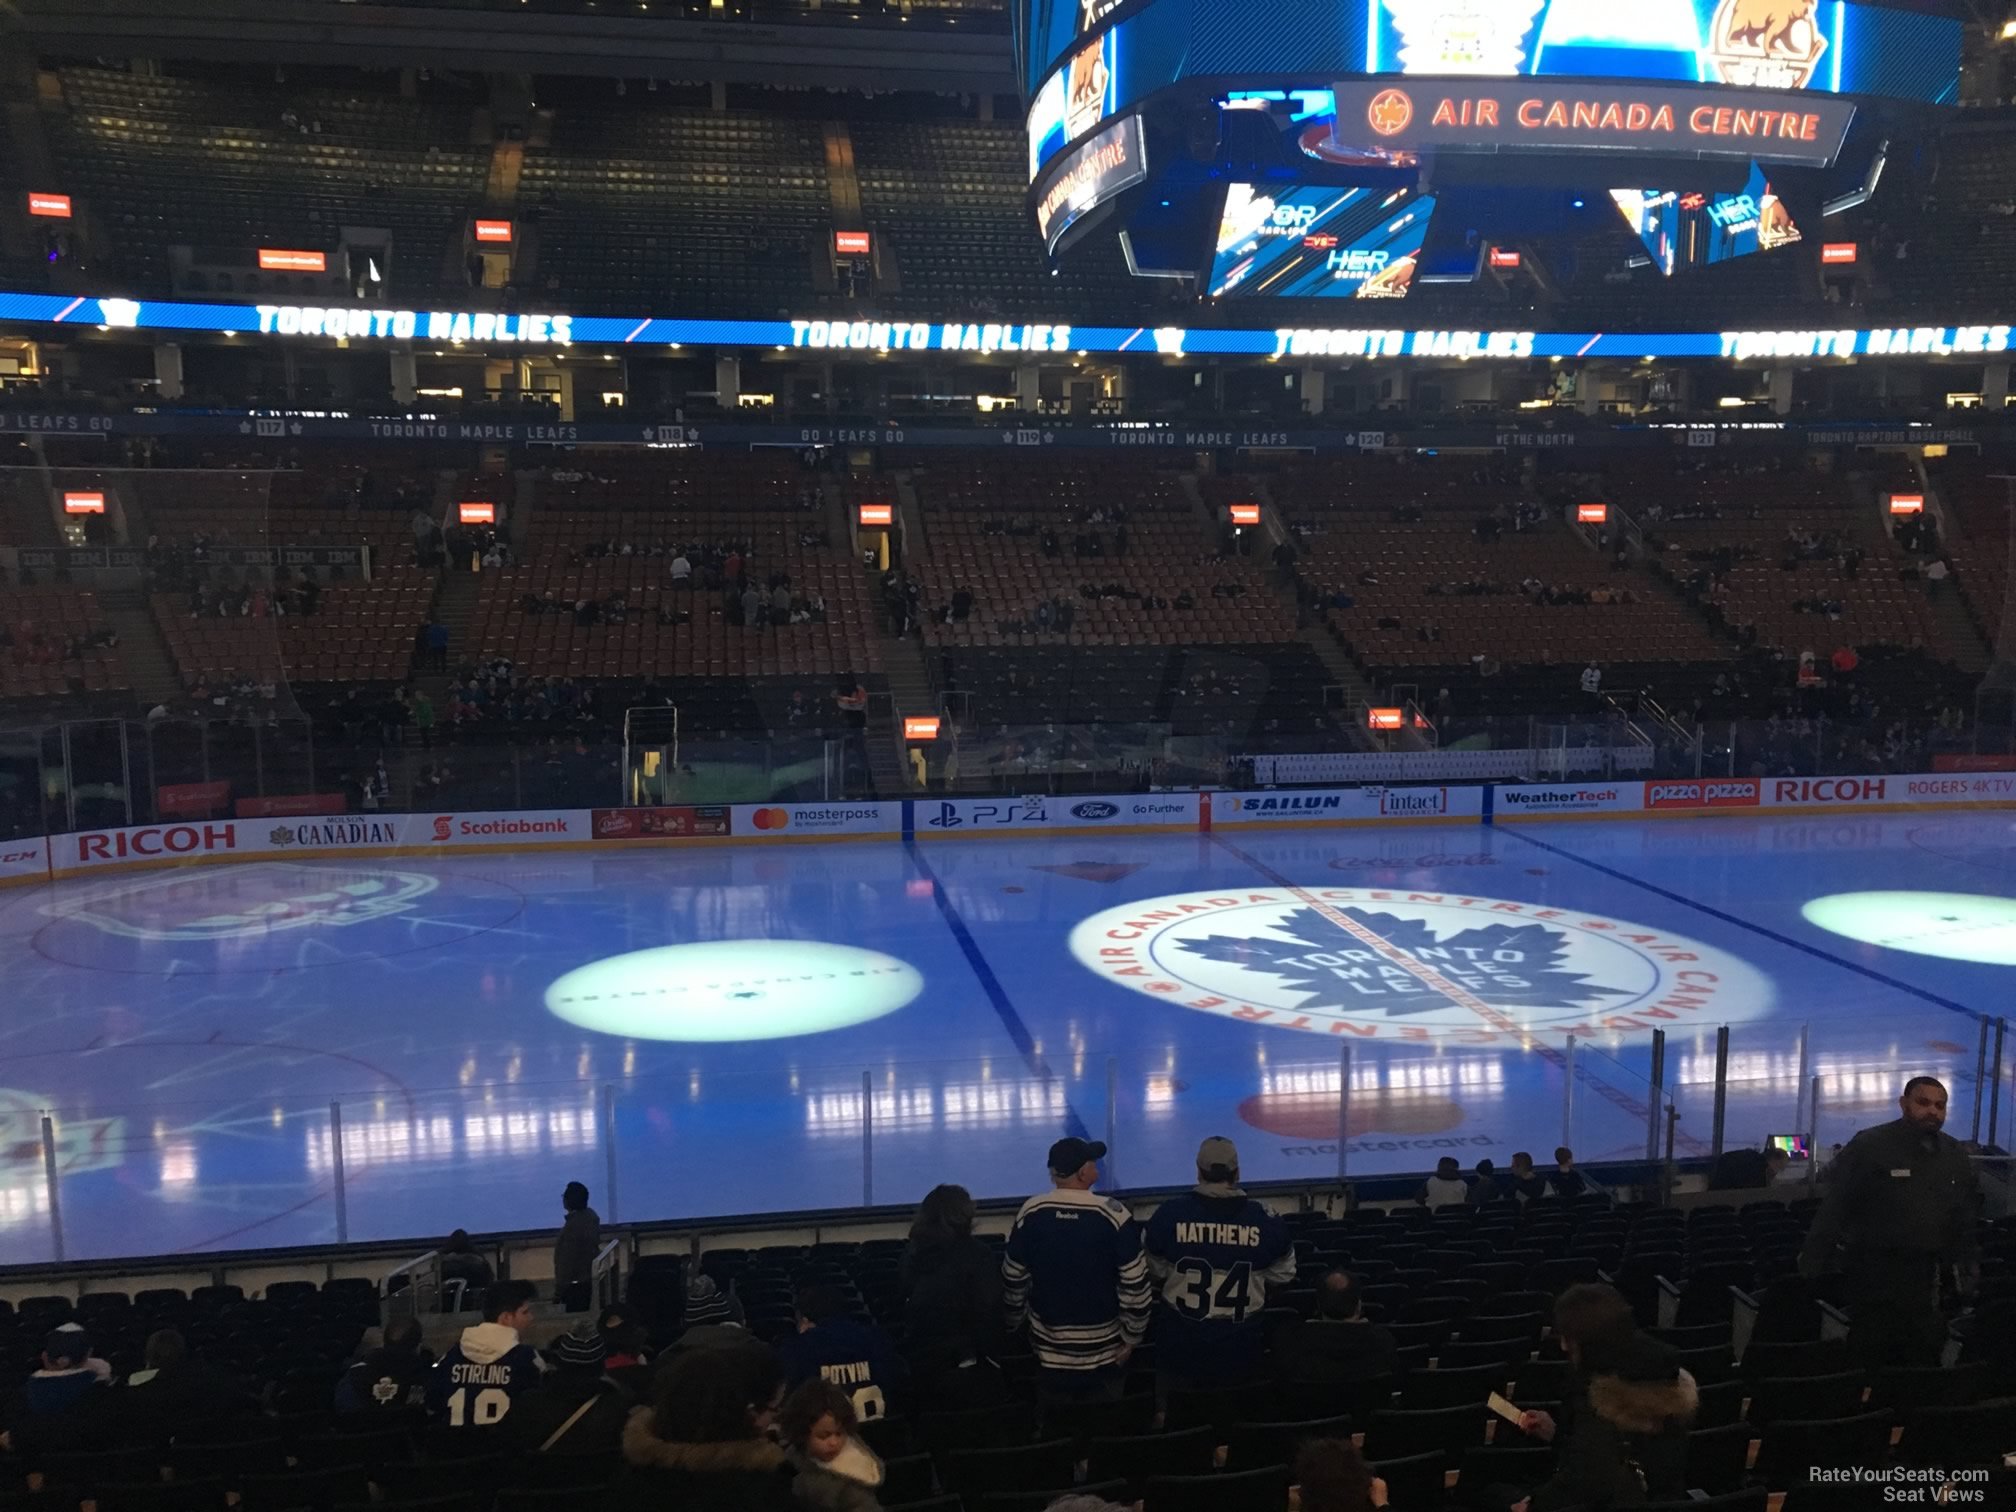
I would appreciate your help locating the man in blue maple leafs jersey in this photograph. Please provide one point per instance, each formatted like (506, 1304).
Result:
(1213, 1253)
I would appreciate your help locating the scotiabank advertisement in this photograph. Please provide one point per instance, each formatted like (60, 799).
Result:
(1367, 805)
(343, 834)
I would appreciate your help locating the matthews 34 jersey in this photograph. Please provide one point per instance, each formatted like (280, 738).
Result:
(1213, 1258)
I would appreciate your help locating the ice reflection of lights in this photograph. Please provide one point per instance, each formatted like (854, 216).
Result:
(23, 1204)
(1840, 1081)
(483, 1135)
(178, 1164)
(1475, 1074)
(979, 1104)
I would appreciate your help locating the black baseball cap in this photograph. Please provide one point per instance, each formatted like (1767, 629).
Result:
(1068, 1155)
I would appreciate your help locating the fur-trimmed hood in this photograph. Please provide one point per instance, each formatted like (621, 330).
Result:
(643, 1448)
(1644, 1406)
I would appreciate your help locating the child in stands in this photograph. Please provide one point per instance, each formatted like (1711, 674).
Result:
(836, 1471)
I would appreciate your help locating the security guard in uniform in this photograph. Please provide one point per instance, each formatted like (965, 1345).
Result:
(1901, 1203)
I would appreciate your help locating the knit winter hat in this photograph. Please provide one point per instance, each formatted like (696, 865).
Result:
(582, 1347)
(705, 1303)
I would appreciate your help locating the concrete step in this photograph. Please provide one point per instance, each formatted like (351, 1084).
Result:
(143, 650)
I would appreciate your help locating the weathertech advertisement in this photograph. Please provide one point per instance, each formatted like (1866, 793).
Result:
(676, 823)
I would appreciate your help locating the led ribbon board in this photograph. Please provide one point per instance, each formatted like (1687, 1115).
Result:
(302, 323)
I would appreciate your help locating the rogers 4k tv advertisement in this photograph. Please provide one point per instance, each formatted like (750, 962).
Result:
(1319, 241)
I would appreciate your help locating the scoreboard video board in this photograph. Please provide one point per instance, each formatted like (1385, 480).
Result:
(1770, 81)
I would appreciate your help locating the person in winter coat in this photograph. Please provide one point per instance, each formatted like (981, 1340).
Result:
(1622, 1438)
(575, 1408)
(490, 1367)
(60, 1406)
(704, 1445)
(173, 1391)
(952, 1315)
(394, 1375)
(574, 1251)
(836, 1471)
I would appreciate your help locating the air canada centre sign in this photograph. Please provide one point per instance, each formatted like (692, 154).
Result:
(1385, 964)
(1480, 115)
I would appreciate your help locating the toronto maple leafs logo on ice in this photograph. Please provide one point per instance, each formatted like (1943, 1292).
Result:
(1508, 965)
(1379, 963)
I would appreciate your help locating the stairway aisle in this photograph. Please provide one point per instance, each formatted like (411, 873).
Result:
(143, 650)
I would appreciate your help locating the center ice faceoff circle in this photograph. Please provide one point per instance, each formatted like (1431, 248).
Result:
(723, 991)
(1388, 964)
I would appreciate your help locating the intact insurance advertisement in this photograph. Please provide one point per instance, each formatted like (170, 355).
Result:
(1367, 805)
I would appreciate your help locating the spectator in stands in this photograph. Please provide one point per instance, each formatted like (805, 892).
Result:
(460, 1262)
(1075, 1274)
(836, 1471)
(54, 1407)
(1592, 684)
(392, 1376)
(1527, 1184)
(1484, 1185)
(833, 1345)
(1745, 1170)
(1901, 1205)
(714, 1320)
(1936, 573)
(1564, 1180)
(1333, 1477)
(1214, 1252)
(962, 604)
(490, 1365)
(173, 1391)
(574, 1251)
(704, 1444)
(1623, 1439)
(575, 1408)
(1446, 1188)
(626, 1350)
(952, 1311)
(1338, 1344)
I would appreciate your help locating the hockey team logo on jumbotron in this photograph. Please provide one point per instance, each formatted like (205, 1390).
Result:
(1463, 36)
(1766, 44)
(1392, 964)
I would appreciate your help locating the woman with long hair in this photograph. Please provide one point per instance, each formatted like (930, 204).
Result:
(953, 1318)
(705, 1445)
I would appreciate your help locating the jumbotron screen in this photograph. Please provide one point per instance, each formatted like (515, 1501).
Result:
(1692, 229)
(1319, 242)
(1090, 61)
